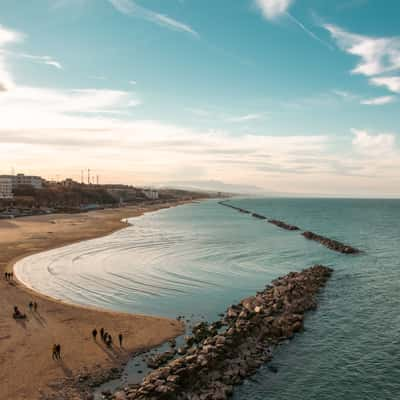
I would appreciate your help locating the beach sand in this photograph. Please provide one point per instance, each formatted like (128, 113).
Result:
(27, 370)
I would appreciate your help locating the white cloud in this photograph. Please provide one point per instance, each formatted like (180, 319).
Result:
(132, 82)
(379, 101)
(390, 82)
(382, 144)
(7, 37)
(272, 9)
(49, 108)
(378, 55)
(131, 8)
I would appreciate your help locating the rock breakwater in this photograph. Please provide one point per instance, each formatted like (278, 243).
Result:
(259, 216)
(284, 225)
(330, 243)
(221, 355)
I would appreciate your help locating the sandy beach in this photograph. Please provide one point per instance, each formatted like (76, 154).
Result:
(27, 369)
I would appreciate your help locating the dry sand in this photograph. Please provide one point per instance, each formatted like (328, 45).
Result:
(26, 367)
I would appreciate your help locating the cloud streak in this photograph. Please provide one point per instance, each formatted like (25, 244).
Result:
(379, 101)
(246, 118)
(47, 60)
(131, 8)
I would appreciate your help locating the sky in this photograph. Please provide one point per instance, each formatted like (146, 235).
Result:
(296, 97)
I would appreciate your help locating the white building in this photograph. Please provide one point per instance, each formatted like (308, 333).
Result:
(151, 194)
(6, 187)
(34, 181)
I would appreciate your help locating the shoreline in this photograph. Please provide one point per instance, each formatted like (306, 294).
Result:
(24, 343)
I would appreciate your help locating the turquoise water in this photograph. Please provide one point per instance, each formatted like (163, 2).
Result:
(200, 258)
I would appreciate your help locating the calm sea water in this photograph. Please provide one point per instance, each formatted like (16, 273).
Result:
(200, 258)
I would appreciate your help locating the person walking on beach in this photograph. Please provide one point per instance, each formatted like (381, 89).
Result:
(35, 306)
(30, 306)
(58, 351)
(120, 337)
(54, 355)
(94, 333)
(102, 333)
(109, 340)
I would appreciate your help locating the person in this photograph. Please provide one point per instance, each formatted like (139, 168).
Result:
(17, 314)
(102, 333)
(30, 306)
(6, 276)
(58, 351)
(94, 333)
(109, 340)
(120, 339)
(35, 306)
(54, 355)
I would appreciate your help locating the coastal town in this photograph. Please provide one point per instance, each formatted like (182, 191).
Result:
(25, 195)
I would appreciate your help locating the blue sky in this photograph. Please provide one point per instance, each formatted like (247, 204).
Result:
(292, 96)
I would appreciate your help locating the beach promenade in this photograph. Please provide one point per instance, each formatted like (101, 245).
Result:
(27, 368)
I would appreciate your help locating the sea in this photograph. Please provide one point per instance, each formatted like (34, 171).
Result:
(197, 259)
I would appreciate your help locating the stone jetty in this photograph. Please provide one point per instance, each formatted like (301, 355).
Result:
(259, 216)
(284, 225)
(221, 355)
(330, 243)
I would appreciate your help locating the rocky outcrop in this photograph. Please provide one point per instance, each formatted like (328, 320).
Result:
(284, 225)
(220, 355)
(330, 243)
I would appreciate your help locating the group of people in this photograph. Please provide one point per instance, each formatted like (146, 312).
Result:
(33, 306)
(56, 352)
(9, 276)
(106, 337)
(17, 314)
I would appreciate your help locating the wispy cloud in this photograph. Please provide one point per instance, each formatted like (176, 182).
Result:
(47, 60)
(378, 55)
(308, 31)
(390, 82)
(246, 118)
(344, 94)
(379, 59)
(272, 9)
(379, 101)
(131, 8)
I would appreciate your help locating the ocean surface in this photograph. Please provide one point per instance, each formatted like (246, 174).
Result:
(197, 259)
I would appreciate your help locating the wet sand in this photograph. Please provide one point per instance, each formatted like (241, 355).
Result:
(27, 369)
